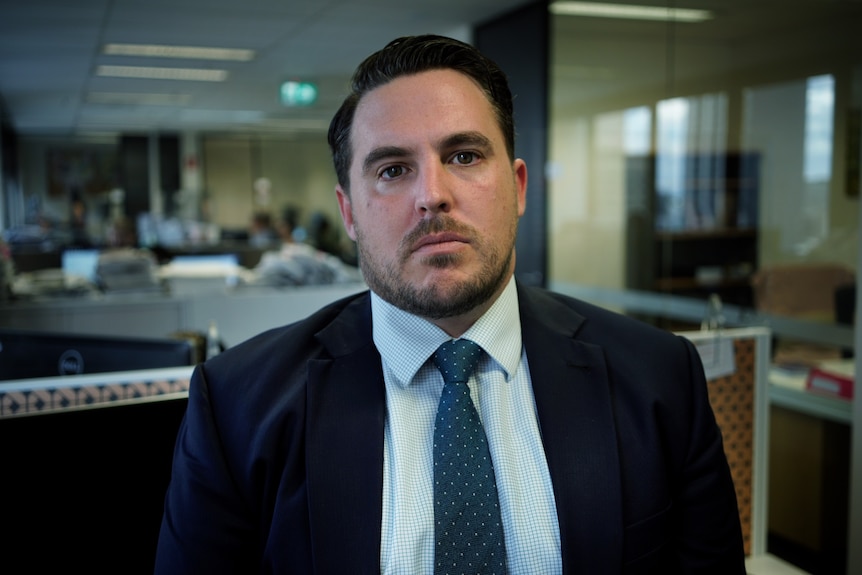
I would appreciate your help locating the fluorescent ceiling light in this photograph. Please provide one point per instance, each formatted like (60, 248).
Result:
(165, 51)
(630, 11)
(138, 99)
(297, 124)
(154, 73)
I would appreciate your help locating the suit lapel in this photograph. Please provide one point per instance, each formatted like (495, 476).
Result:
(346, 413)
(573, 400)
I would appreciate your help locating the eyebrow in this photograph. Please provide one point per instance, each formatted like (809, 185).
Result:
(381, 153)
(470, 138)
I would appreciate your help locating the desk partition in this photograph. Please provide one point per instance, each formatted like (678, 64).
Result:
(736, 364)
(85, 464)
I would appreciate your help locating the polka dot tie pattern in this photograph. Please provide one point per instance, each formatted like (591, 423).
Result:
(468, 526)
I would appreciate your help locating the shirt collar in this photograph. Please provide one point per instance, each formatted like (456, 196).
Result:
(406, 341)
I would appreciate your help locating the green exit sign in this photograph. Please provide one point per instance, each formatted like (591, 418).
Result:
(298, 93)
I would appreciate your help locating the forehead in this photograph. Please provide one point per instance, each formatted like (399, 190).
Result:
(422, 107)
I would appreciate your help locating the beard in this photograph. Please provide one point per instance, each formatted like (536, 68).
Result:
(438, 301)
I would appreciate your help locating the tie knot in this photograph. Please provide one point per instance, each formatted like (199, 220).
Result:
(456, 359)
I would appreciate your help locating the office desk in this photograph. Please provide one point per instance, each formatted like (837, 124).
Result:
(809, 470)
(837, 410)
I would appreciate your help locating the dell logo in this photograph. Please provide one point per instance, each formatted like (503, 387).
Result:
(71, 363)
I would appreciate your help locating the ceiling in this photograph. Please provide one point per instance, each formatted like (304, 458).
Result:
(50, 49)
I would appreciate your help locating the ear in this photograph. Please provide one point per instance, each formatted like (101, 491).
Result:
(519, 168)
(346, 210)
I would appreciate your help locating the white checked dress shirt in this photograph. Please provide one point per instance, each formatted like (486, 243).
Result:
(503, 395)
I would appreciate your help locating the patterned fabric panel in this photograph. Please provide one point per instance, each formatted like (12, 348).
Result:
(45, 395)
(732, 399)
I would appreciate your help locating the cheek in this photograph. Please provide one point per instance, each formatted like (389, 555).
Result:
(384, 217)
(375, 229)
(503, 203)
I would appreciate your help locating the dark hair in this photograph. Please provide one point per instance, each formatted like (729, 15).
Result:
(411, 55)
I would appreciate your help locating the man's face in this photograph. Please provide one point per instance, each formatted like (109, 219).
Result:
(434, 200)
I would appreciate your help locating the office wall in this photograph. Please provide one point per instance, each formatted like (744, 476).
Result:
(8, 171)
(299, 170)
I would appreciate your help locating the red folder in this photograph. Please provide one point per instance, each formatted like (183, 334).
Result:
(829, 382)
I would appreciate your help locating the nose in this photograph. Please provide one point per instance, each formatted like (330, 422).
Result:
(433, 193)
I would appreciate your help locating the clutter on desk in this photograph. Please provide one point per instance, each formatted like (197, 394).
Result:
(127, 269)
(93, 271)
(830, 377)
(302, 264)
(833, 378)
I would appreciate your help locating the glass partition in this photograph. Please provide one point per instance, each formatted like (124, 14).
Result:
(707, 173)
(692, 161)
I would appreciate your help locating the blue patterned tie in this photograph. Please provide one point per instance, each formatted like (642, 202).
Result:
(468, 528)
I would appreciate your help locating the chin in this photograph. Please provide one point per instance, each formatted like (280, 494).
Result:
(442, 280)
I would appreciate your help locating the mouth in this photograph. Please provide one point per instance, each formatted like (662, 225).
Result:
(439, 242)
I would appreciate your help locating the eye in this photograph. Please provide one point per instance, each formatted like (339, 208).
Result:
(391, 172)
(465, 158)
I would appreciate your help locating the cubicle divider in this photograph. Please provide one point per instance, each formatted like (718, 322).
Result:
(85, 465)
(45, 395)
(736, 364)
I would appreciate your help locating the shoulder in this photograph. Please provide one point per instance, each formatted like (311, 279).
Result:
(264, 379)
(280, 354)
(639, 357)
(589, 322)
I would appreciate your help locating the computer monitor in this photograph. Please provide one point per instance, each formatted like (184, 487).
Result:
(206, 261)
(81, 263)
(27, 354)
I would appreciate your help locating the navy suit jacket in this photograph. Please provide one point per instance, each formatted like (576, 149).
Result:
(278, 465)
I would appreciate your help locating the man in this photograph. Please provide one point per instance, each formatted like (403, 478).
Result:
(312, 448)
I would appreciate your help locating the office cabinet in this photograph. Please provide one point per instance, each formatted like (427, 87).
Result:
(692, 224)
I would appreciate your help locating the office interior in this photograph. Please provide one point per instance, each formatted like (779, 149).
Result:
(700, 172)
